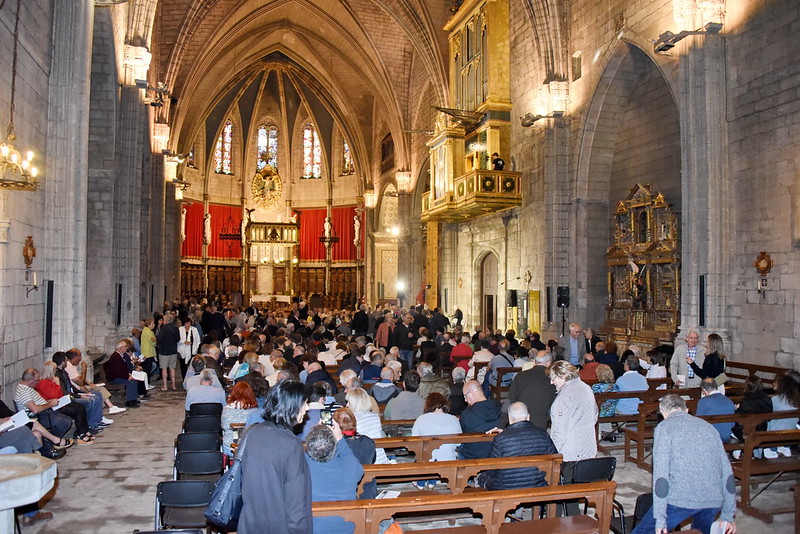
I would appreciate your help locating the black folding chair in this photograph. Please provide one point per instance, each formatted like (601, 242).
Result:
(643, 503)
(202, 423)
(182, 503)
(205, 408)
(203, 465)
(596, 470)
(198, 442)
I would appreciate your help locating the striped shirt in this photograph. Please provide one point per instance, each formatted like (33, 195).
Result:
(24, 394)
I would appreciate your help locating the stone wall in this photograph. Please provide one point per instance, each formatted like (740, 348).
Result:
(634, 115)
(21, 315)
(763, 114)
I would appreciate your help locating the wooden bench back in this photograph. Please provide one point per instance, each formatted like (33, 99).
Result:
(491, 506)
(740, 371)
(458, 472)
(423, 446)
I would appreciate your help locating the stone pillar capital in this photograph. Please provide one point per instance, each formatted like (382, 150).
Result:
(137, 62)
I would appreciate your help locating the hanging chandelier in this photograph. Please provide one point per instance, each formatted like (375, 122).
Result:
(18, 172)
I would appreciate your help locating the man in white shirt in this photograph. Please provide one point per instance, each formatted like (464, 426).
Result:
(483, 355)
(76, 371)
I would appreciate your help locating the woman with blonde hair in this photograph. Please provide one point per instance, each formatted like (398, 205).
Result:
(573, 414)
(714, 364)
(367, 422)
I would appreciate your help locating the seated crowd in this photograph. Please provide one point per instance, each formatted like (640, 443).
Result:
(319, 386)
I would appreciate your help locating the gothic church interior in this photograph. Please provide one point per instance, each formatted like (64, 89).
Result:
(344, 148)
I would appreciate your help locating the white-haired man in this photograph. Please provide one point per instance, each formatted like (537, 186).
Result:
(684, 487)
(681, 373)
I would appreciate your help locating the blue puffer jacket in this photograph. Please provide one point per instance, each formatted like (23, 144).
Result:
(518, 439)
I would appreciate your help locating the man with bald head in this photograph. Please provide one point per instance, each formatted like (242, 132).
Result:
(481, 415)
(520, 438)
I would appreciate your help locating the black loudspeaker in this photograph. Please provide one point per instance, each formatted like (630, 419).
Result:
(48, 314)
(548, 306)
(511, 298)
(563, 297)
(702, 301)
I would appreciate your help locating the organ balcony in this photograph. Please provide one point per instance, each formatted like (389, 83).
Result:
(473, 194)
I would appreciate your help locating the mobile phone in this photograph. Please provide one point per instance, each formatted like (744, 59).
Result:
(326, 417)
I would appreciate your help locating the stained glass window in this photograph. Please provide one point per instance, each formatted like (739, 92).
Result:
(267, 146)
(312, 153)
(347, 159)
(222, 152)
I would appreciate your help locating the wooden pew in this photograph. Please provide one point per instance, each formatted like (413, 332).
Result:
(748, 467)
(497, 391)
(740, 371)
(397, 427)
(491, 506)
(458, 472)
(423, 446)
(649, 396)
(98, 365)
(649, 417)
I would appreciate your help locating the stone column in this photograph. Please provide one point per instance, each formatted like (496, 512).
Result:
(706, 222)
(67, 165)
(561, 243)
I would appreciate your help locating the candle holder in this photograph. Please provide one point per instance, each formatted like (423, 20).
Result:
(34, 286)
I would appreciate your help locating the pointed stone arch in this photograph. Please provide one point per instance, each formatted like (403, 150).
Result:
(632, 94)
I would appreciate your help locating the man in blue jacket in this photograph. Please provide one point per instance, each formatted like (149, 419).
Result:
(713, 402)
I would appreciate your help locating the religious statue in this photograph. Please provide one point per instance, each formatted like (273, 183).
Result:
(356, 229)
(267, 186)
(207, 229)
(245, 222)
(183, 225)
(327, 227)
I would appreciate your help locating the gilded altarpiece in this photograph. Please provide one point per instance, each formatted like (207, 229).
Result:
(643, 304)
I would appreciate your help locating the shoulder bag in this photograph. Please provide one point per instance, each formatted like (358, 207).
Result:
(226, 500)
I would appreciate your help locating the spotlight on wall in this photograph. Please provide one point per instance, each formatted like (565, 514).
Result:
(154, 96)
(667, 40)
(180, 158)
(529, 119)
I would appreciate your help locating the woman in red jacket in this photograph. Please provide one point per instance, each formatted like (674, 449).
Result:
(50, 388)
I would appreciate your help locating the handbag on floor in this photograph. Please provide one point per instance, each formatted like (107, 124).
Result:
(226, 500)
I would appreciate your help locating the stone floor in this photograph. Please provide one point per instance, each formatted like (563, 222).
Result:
(109, 487)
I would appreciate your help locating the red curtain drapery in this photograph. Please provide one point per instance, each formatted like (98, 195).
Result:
(192, 247)
(225, 219)
(311, 223)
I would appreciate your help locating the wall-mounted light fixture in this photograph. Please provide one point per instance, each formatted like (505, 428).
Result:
(404, 183)
(154, 96)
(667, 40)
(370, 198)
(529, 119)
(28, 253)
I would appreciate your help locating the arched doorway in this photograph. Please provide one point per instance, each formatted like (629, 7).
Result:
(489, 270)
